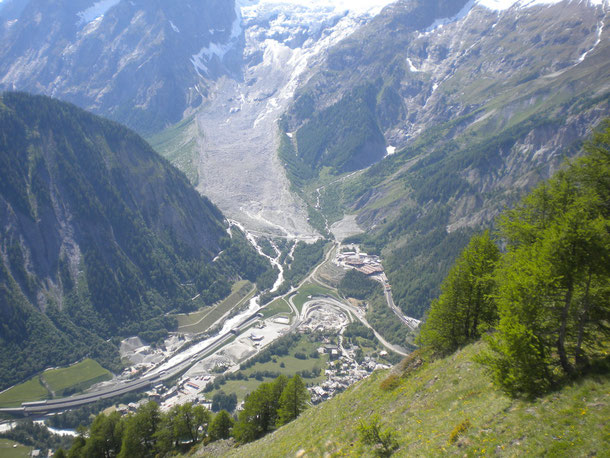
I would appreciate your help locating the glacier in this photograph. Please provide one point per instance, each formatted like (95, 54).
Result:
(95, 11)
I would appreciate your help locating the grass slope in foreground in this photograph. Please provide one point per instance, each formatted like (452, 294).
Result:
(432, 404)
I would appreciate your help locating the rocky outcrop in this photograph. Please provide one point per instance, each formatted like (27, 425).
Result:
(98, 236)
(143, 63)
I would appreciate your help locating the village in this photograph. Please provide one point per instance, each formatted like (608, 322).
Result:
(346, 365)
(343, 371)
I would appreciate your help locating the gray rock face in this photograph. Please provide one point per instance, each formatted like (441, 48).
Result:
(98, 236)
(143, 63)
(478, 74)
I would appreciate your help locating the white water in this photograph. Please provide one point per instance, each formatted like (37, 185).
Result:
(253, 307)
(274, 261)
(59, 432)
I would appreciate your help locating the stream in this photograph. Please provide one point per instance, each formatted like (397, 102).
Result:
(229, 324)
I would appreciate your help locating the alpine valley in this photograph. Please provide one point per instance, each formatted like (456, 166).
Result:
(194, 192)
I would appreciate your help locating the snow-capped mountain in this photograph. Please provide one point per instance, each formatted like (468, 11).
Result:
(146, 63)
(472, 103)
(151, 63)
(237, 126)
(432, 63)
(232, 69)
(127, 59)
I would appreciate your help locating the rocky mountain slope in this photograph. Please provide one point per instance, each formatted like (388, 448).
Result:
(228, 68)
(142, 63)
(458, 105)
(233, 158)
(100, 237)
(469, 112)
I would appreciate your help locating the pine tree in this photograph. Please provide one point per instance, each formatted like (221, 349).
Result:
(293, 400)
(466, 304)
(221, 426)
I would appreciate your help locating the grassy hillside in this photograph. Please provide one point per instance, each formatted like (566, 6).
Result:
(429, 405)
(11, 449)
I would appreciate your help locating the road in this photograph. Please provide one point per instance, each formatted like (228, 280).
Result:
(170, 371)
(412, 323)
(360, 316)
(57, 405)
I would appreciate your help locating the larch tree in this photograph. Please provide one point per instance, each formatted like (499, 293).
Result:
(293, 400)
(221, 426)
(554, 281)
(466, 304)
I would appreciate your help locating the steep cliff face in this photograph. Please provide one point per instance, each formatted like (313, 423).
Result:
(143, 63)
(474, 109)
(503, 62)
(99, 235)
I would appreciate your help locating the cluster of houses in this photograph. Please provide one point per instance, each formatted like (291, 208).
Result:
(343, 371)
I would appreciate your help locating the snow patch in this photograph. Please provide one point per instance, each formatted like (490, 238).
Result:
(501, 5)
(412, 67)
(497, 5)
(461, 15)
(96, 11)
(390, 150)
(219, 50)
(356, 6)
(174, 28)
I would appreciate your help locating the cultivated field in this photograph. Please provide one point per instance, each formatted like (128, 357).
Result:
(32, 390)
(202, 320)
(310, 289)
(7, 449)
(78, 377)
(278, 306)
(56, 382)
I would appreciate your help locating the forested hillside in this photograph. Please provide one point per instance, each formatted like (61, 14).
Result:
(100, 238)
(514, 352)
(547, 297)
(471, 118)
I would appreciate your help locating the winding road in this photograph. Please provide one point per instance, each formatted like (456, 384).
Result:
(181, 362)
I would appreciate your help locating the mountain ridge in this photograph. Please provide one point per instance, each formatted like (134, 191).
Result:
(465, 134)
(123, 59)
(100, 237)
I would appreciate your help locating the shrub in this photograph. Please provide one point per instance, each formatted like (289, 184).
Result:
(383, 441)
(390, 383)
(459, 430)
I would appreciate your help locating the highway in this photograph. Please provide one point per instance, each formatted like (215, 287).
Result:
(355, 312)
(162, 374)
(412, 323)
(57, 405)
